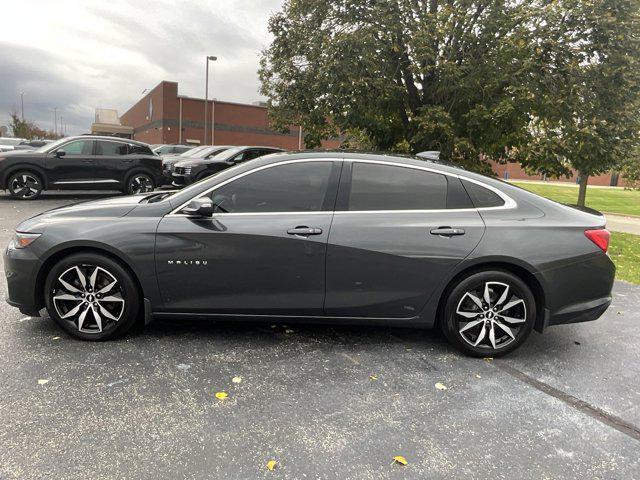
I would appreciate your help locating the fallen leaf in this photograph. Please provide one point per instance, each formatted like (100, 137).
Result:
(55, 338)
(271, 464)
(441, 386)
(288, 330)
(488, 359)
(236, 379)
(400, 460)
(42, 381)
(478, 376)
(221, 395)
(373, 377)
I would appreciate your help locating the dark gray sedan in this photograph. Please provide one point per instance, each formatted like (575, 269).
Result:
(325, 236)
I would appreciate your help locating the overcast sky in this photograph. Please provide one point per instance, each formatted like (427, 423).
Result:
(77, 55)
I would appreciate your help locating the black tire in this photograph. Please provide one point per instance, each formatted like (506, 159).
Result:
(139, 182)
(90, 299)
(25, 185)
(463, 320)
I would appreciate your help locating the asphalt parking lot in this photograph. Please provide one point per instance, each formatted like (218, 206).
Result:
(323, 402)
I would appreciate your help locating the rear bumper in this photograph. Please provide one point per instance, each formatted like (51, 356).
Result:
(579, 291)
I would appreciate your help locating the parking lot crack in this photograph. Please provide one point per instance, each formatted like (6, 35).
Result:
(594, 412)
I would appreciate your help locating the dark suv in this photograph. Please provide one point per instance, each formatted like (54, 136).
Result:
(81, 163)
(192, 170)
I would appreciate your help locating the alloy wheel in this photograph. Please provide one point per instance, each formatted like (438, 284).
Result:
(25, 185)
(491, 316)
(89, 297)
(140, 184)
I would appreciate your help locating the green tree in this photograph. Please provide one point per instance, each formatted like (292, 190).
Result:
(586, 110)
(501, 80)
(27, 129)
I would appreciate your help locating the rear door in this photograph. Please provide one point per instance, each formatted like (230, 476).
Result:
(113, 161)
(262, 253)
(77, 167)
(396, 233)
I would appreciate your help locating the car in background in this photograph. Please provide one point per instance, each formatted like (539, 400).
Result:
(195, 169)
(32, 144)
(8, 144)
(204, 151)
(171, 149)
(81, 163)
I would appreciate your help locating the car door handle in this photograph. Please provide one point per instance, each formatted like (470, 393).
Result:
(447, 231)
(304, 231)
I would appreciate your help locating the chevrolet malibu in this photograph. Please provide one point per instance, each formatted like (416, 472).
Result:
(324, 236)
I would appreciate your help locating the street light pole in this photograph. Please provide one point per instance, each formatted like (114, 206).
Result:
(55, 120)
(206, 95)
(22, 104)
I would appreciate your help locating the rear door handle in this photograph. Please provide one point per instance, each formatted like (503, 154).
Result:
(304, 231)
(447, 231)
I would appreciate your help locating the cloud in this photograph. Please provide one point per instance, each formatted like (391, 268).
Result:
(81, 54)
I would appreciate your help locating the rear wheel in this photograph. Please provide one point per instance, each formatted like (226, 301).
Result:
(489, 314)
(140, 183)
(25, 185)
(92, 297)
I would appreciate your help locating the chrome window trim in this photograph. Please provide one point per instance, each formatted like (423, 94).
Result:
(509, 203)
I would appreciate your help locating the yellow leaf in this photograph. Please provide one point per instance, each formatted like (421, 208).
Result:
(288, 330)
(441, 386)
(55, 338)
(488, 359)
(236, 379)
(221, 395)
(400, 459)
(271, 464)
(373, 377)
(42, 381)
(478, 376)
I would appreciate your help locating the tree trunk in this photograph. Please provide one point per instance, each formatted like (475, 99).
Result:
(582, 192)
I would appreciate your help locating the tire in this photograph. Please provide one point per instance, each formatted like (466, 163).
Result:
(96, 308)
(139, 182)
(467, 314)
(25, 185)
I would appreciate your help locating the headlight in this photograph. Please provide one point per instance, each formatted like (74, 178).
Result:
(23, 240)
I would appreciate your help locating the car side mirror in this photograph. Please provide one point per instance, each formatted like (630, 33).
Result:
(230, 161)
(201, 207)
(60, 153)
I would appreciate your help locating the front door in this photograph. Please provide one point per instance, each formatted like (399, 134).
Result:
(262, 253)
(77, 167)
(396, 234)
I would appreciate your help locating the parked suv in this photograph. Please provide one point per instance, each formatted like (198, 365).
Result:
(171, 149)
(81, 163)
(195, 169)
(202, 152)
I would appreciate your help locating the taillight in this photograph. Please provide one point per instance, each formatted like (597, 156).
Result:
(600, 237)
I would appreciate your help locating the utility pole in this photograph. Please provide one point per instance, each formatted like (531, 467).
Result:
(206, 95)
(55, 121)
(22, 104)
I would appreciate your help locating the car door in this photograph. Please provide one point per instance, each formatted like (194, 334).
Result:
(113, 160)
(262, 253)
(76, 166)
(396, 234)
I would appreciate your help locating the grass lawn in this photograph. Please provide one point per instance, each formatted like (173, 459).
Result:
(624, 250)
(609, 200)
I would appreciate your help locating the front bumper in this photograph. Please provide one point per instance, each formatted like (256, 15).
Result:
(181, 180)
(21, 268)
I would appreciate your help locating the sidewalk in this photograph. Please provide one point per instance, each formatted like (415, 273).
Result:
(621, 223)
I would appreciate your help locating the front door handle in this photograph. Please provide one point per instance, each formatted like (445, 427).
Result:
(304, 231)
(447, 231)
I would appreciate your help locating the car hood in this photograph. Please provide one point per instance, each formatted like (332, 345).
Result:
(110, 207)
(20, 153)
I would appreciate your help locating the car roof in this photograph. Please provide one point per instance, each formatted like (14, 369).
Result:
(107, 137)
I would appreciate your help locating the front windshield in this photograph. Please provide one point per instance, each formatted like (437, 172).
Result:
(48, 147)
(226, 154)
(192, 152)
(162, 149)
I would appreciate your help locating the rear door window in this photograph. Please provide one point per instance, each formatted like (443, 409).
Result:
(389, 187)
(112, 149)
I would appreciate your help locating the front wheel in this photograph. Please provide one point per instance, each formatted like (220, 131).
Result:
(92, 297)
(489, 314)
(139, 183)
(25, 185)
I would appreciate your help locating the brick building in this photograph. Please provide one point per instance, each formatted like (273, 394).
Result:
(163, 116)
(513, 171)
